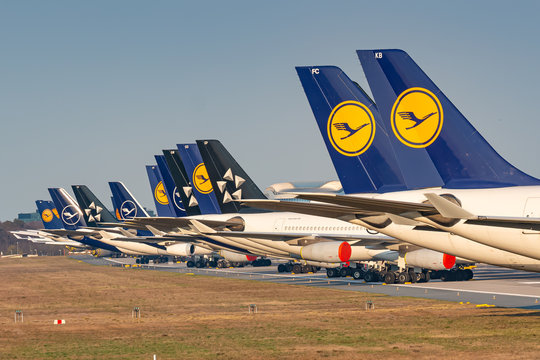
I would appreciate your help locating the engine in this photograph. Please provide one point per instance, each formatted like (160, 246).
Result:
(429, 259)
(332, 252)
(202, 251)
(101, 252)
(236, 257)
(181, 249)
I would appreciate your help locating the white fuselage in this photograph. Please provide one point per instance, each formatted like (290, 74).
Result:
(298, 224)
(506, 247)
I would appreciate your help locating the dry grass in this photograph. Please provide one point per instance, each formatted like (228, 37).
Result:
(186, 316)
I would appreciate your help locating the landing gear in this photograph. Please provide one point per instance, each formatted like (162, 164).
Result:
(454, 275)
(389, 277)
(403, 277)
(261, 262)
(297, 268)
(331, 272)
(358, 274)
(370, 276)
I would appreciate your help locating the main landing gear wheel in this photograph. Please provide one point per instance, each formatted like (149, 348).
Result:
(403, 277)
(389, 278)
(358, 274)
(369, 276)
(331, 272)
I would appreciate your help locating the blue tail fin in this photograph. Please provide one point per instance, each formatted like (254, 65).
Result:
(94, 211)
(356, 137)
(170, 187)
(128, 207)
(228, 178)
(421, 118)
(198, 176)
(70, 213)
(161, 200)
(49, 215)
(181, 180)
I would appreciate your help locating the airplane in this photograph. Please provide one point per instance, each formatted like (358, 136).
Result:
(51, 220)
(112, 239)
(369, 166)
(315, 239)
(490, 201)
(203, 246)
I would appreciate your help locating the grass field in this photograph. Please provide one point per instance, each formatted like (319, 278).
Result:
(199, 317)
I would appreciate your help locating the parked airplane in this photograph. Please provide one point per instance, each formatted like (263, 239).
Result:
(487, 199)
(51, 220)
(367, 163)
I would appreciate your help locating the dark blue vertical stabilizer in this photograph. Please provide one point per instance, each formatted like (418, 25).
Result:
(170, 187)
(69, 211)
(161, 199)
(181, 181)
(49, 215)
(201, 186)
(423, 120)
(128, 206)
(355, 136)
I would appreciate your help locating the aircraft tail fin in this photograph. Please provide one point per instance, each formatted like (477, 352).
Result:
(356, 137)
(201, 186)
(94, 211)
(228, 178)
(128, 206)
(181, 180)
(70, 213)
(161, 198)
(49, 215)
(173, 192)
(421, 118)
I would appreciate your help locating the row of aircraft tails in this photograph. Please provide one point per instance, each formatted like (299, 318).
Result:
(421, 194)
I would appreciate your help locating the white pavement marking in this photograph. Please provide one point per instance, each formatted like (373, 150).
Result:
(465, 291)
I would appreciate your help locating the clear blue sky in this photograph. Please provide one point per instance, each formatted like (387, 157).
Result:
(90, 91)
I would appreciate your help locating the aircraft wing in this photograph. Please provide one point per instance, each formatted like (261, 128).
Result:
(317, 209)
(358, 240)
(364, 204)
(167, 224)
(451, 210)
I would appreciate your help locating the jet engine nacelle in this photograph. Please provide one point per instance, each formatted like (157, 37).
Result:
(181, 249)
(429, 259)
(101, 252)
(202, 251)
(331, 252)
(236, 257)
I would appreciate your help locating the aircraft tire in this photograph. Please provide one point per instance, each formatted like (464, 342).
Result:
(403, 277)
(358, 274)
(389, 277)
(369, 276)
(331, 272)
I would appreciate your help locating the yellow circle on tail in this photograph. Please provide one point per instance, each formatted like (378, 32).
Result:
(351, 128)
(417, 117)
(47, 215)
(200, 179)
(160, 194)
